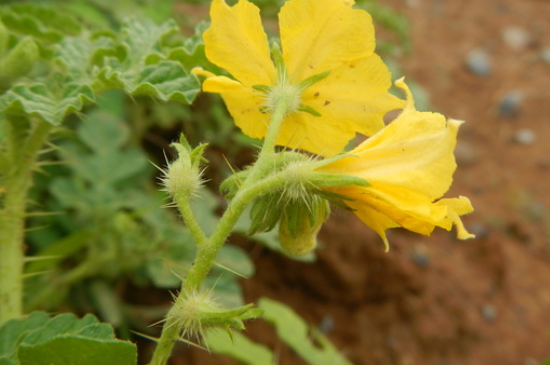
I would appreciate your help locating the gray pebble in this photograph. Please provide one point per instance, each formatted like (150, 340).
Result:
(327, 324)
(465, 153)
(479, 62)
(489, 312)
(420, 256)
(516, 38)
(509, 104)
(479, 229)
(525, 136)
(545, 55)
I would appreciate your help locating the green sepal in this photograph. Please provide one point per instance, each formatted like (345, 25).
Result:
(333, 180)
(262, 88)
(334, 198)
(265, 213)
(18, 62)
(183, 176)
(193, 155)
(313, 80)
(309, 110)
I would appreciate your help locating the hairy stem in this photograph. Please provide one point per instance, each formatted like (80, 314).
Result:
(187, 213)
(17, 182)
(252, 187)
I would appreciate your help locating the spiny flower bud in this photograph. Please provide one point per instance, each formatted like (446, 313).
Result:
(196, 312)
(183, 176)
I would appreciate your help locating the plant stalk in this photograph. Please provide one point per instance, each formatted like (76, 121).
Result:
(252, 187)
(17, 180)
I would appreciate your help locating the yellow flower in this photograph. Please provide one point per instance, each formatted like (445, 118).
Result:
(338, 84)
(408, 166)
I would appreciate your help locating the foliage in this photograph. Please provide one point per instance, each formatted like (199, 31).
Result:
(307, 342)
(65, 340)
(89, 80)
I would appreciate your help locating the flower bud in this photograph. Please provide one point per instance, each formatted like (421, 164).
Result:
(196, 312)
(300, 225)
(183, 176)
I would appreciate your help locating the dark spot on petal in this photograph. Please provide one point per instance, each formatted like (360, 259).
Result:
(351, 65)
(316, 94)
(327, 102)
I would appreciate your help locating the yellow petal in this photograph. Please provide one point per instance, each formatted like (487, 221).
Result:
(457, 207)
(237, 43)
(314, 134)
(355, 94)
(243, 104)
(409, 164)
(415, 152)
(316, 36)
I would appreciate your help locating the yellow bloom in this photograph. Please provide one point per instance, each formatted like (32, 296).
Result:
(408, 166)
(317, 37)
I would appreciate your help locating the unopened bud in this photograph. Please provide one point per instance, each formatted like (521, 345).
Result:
(300, 225)
(197, 312)
(183, 176)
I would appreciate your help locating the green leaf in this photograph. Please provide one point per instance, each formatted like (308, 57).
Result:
(78, 351)
(41, 22)
(292, 329)
(140, 66)
(39, 100)
(62, 340)
(239, 347)
(18, 62)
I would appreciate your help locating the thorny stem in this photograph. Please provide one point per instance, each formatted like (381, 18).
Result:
(252, 187)
(17, 182)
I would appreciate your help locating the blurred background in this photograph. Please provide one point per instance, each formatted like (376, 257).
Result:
(432, 301)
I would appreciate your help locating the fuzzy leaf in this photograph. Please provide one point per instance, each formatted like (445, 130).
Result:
(41, 22)
(39, 100)
(62, 340)
(140, 67)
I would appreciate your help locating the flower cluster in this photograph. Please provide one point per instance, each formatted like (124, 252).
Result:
(332, 86)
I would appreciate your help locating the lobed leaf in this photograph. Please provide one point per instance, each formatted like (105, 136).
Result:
(39, 100)
(62, 340)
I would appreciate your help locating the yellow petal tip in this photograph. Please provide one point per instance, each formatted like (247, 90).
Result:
(198, 71)
(400, 83)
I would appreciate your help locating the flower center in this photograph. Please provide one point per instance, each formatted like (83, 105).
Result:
(284, 93)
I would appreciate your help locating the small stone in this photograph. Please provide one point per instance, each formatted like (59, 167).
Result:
(545, 55)
(479, 62)
(489, 312)
(420, 256)
(327, 324)
(465, 153)
(525, 136)
(509, 105)
(516, 38)
(479, 229)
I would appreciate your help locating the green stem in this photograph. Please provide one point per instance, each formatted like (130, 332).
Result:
(252, 187)
(262, 167)
(187, 213)
(18, 181)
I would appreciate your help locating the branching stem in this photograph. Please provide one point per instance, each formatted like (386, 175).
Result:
(259, 181)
